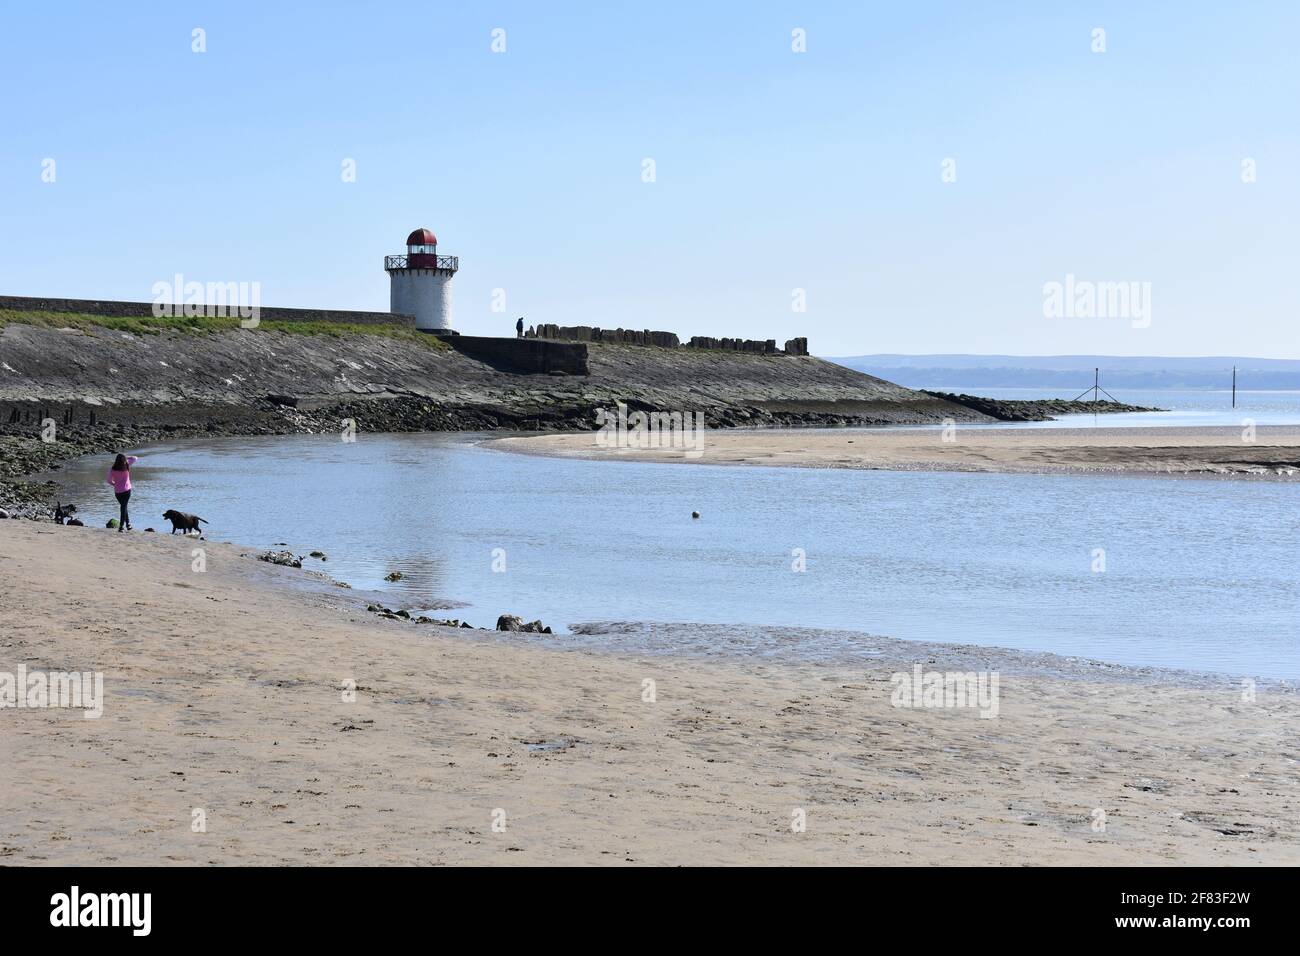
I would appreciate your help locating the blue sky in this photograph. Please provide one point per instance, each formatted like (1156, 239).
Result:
(775, 170)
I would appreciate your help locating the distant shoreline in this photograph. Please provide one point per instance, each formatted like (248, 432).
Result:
(1072, 373)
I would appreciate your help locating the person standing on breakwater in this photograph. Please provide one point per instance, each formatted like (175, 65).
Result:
(119, 476)
(519, 328)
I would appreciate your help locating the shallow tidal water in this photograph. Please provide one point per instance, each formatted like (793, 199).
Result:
(1184, 408)
(1198, 574)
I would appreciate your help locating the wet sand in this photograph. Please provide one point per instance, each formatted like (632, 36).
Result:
(1273, 453)
(225, 694)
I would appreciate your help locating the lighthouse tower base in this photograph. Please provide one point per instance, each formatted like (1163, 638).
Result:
(425, 294)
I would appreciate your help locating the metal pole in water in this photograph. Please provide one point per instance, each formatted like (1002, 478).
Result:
(1234, 386)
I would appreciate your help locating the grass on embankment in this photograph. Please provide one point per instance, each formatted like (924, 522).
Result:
(150, 325)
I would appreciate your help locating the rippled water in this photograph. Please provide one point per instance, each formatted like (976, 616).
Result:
(1198, 574)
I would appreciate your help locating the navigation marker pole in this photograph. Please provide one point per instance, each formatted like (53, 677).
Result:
(1096, 389)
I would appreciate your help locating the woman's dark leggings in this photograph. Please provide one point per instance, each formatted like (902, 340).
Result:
(122, 498)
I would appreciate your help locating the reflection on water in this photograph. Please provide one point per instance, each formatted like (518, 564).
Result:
(1199, 574)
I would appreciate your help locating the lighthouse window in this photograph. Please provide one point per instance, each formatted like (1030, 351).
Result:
(423, 249)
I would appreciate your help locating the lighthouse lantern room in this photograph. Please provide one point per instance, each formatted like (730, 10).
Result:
(420, 282)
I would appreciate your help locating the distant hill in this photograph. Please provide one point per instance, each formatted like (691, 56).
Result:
(1070, 371)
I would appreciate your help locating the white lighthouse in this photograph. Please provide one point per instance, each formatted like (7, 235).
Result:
(421, 282)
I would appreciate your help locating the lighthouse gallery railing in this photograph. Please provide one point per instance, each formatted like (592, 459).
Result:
(444, 262)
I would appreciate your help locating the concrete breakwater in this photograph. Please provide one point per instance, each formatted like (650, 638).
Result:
(105, 389)
(110, 368)
(537, 356)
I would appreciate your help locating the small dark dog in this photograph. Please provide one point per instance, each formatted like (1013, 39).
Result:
(183, 522)
(62, 514)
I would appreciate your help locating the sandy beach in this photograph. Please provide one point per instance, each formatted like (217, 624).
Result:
(225, 693)
(1271, 452)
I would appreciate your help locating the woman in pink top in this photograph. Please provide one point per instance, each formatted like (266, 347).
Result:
(119, 476)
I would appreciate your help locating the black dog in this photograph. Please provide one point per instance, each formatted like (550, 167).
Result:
(183, 522)
(62, 514)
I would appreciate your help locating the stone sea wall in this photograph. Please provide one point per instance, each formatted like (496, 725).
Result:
(588, 333)
(138, 310)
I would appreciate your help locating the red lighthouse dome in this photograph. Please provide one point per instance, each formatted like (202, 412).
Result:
(422, 250)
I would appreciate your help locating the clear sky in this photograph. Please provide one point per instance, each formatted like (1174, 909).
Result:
(774, 170)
